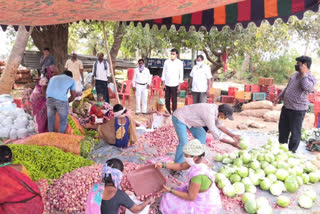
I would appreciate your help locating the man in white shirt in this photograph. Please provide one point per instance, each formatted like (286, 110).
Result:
(200, 81)
(141, 82)
(172, 77)
(76, 67)
(101, 72)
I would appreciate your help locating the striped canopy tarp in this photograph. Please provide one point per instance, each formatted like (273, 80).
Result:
(242, 12)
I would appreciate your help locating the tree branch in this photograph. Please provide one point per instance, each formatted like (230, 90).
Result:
(209, 58)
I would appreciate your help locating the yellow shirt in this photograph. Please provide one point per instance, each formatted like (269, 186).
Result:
(74, 67)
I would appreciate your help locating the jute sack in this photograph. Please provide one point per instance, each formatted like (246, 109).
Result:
(254, 112)
(264, 104)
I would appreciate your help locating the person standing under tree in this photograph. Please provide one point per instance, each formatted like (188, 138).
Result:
(141, 82)
(296, 104)
(76, 67)
(172, 77)
(101, 72)
(46, 60)
(200, 81)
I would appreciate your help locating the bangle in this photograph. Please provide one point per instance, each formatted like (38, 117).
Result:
(165, 165)
(171, 190)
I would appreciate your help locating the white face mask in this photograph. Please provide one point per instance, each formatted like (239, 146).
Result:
(190, 161)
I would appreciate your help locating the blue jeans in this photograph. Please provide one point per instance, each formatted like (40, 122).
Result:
(62, 107)
(181, 130)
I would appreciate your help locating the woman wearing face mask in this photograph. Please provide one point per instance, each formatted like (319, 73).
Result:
(101, 111)
(200, 195)
(141, 82)
(200, 81)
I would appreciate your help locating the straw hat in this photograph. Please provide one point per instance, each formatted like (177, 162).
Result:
(194, 148)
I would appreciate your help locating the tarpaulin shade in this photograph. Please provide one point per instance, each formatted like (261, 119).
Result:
(50, 12)
(242, 12)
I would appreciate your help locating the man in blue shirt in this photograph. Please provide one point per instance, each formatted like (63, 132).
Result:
(58, 101)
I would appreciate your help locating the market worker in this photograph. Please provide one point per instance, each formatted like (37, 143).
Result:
(195, 117)
(46, 60)
(57, 100)
(18, 193)
(101, 72)
(200, 81)
(141, 82)
(172, 77)
(107, 196)
(76, 67)
(159, 116)
(295, 102)
(120, 130)
(200, 194)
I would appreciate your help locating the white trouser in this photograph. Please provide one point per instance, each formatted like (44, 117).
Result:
(141, 94)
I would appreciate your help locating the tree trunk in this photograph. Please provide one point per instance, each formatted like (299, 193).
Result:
(55, 38)
(118, 34)
(8, 76)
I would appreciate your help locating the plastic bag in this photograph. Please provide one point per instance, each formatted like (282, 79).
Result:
(13, 134)
(4, 132)
(136, 201)
(22, 133)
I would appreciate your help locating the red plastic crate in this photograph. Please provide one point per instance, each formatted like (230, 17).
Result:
(189, 100)
(265, 81)
(316, 107)
(247, 88)
(232, 91)
(255, 88)
(271, 97)
(268, 89)
(227, 99)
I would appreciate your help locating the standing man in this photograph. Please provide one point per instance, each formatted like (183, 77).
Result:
(200, 81)
(172, 77)
(295, 99)
(57, 99)
(196, 116)
(141, 82)
(76, 67)
(101, 72)
(46, 60)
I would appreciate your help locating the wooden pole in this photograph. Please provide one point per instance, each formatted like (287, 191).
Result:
(110, 63)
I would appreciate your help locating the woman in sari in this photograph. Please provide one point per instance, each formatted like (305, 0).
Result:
(107, 197)
(18, 193)
(200, 195)
(38, 100)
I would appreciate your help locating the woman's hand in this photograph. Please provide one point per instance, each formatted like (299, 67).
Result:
(158, 165)
(166, 188)
(150, 200)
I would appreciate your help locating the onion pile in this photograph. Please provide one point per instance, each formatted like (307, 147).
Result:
(69, 193)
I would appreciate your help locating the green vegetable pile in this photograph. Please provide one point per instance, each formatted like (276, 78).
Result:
(87, 146)
(76, 131)
(272, 168)
(46, 161)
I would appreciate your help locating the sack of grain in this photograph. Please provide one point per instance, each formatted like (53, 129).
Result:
(254, 112)
(264, 104)
(278, 107)
(272, 116)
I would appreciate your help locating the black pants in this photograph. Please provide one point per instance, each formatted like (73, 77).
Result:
(171, 92)
(102, 88)
(291, 122)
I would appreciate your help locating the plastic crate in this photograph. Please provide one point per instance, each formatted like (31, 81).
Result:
(252, 88)
(242, 95)
(232, 91)
(189, 100)
(227, 99)
(265, 81)
(259, 96)
(224, 93)
(316, 106)
(247, 88)
(268, 89)
(271, 97)
(311, 108)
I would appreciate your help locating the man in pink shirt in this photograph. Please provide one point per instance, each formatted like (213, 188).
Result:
(195, 117)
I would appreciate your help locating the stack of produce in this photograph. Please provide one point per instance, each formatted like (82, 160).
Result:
(14, 122)
(46, 161)
(73, 126)
(69, 193)
(272, 167)
(65, 142)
